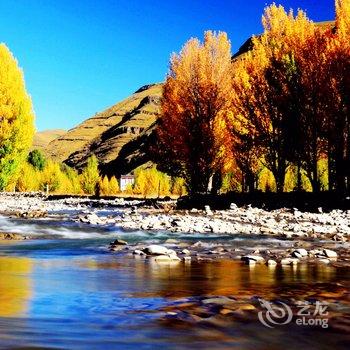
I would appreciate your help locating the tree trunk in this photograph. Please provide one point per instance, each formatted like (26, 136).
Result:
(299, 176)
(279, 177)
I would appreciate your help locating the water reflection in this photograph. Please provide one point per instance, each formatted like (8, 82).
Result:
(71, 296)
(15, 285)
(225, 277)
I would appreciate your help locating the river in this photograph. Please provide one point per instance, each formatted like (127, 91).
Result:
(65, 290)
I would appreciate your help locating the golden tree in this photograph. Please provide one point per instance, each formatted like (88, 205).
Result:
(195, 100)
(113, 186)
(269, 95)
(104, 186)
(90, 175)
(16, 117)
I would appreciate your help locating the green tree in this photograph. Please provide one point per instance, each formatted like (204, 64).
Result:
(16, 117)
(90, 175)
(37, 159)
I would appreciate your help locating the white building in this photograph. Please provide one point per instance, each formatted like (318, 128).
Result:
(125, 181)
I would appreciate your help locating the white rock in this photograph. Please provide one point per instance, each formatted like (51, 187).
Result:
(155, 249)
(171, 252)
(185, 251)
(330, 253)
(233, 206)
(208, 210)
(271, 262)
(298, 253)
(138, 252)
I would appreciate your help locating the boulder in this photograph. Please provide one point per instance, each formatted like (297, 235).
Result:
(300, 253)
(330, 253)
(138, 252)
(155, 249)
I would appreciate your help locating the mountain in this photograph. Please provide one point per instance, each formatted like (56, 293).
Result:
(43, 138)
(122, 135)
(118, 136)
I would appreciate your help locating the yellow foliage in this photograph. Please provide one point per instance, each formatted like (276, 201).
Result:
(151, 182)
(266, 181)
(29, 179)
(113, 186)
(104, 186)
(90, 175)
(16, 117)
(195, 104)
(51, 177)
(178, 187)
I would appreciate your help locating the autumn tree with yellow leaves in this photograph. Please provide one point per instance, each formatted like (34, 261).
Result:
(290, 101)
(16, 117)
(268, 94)
(195, 100)
(338, 117)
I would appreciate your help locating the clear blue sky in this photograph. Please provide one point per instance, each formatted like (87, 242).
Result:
(80, 57)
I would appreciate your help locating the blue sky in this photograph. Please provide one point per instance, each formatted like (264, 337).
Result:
(80, 57)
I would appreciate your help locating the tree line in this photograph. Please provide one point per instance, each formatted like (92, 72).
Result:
(282, 108)
(38, 173)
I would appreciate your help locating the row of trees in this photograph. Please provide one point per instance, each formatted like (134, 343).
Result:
(281, 107)
(41, 174)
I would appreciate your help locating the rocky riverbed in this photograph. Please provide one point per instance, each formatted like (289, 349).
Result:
(321, 236)
(217, 270)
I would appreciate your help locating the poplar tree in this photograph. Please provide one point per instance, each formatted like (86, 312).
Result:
(16, 117)
(196, 98)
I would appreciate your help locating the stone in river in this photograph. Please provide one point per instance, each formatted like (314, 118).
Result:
(330, 253)
(155, 249)
(185, 251)
(119, 242)
(138, 252)
(299, 253)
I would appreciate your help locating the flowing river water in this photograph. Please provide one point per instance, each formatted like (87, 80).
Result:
(65, 290)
